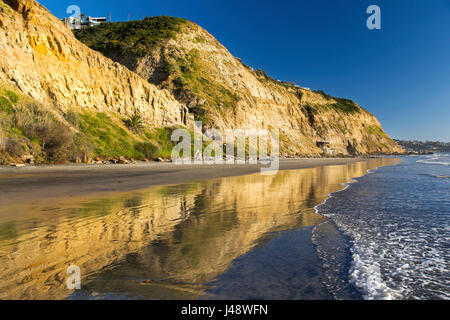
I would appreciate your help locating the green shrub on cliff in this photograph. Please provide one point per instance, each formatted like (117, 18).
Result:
(148, 149)
(162, 137)
(323, 94)
(41, 127)
(375, 130)
(6, 105)
(29, 128)
(134, 123)
(193, 74)
(130, 38)
(7, 99)
(345, 105)
(190, 73)
(110, 138)
(341, 104)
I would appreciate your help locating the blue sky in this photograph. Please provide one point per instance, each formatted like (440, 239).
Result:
(400, 73)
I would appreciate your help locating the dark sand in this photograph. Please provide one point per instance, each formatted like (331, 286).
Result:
(21, 185)
(55, 216)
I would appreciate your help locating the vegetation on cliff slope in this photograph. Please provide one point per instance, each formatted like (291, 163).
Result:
(194, 75)
(190, 73)
(219, 89)
(341, 104)
(172, 53)
(130, 38)
(29, 130)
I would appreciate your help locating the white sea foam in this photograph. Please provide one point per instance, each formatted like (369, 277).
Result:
(365, 275)
(435, 160)
(394, 255)
(391, 266)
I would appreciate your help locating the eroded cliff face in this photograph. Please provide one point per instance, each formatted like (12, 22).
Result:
(225, 93)
(40, 56)
(189, 72)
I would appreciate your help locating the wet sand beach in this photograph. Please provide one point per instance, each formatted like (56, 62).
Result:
(27, 184)
(202, 235)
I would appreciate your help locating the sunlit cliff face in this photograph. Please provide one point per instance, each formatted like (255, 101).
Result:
(40, 56)
(164, 242)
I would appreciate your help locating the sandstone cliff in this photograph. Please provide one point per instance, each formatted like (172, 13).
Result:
(40, 56)
(179, 71)
(223, 92)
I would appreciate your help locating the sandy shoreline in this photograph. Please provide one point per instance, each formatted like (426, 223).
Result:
(223, 238)
(18, 185)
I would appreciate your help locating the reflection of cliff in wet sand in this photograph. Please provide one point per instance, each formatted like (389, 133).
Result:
(164, 242)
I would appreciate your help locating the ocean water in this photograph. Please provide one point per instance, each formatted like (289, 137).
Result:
(393, 239)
